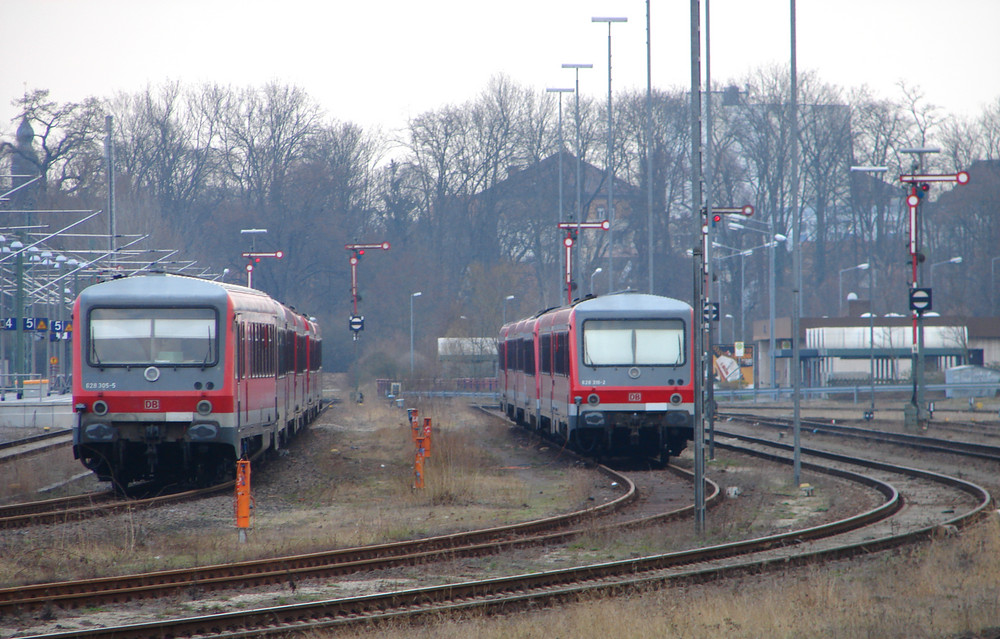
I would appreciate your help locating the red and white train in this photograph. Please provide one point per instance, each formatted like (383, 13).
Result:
(175, 378)
(612, 375)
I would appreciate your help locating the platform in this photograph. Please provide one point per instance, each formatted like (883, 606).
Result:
(49, 411)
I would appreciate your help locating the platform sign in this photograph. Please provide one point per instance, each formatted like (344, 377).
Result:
(35, 323)
(8, 324)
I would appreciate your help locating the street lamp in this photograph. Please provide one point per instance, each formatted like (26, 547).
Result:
(505, 300)
(417, 294)
(862, 267)
(560, 92)
(871, 296)
(560, 156)
(993, 277)
(579, 162)
(954, 260)
(610, 161)
(774, 239)
(743, 287)
(596, 271)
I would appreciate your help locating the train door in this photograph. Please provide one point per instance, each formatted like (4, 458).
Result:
(239, 351)
(285, 379)
(545, 346)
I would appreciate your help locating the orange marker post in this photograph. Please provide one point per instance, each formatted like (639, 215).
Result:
(418, 470)
(427, 437)
(243, 499)
(414, 424)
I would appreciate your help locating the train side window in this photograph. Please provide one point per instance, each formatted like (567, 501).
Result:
(562, 354)
(545, 353)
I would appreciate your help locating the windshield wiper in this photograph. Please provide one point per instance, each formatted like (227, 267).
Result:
(93, 352)
(208, 352)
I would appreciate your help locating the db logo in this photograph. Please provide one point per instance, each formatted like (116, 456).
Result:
(635, 397)
(151, 404)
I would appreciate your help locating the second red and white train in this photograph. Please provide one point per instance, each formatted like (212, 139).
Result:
(612, 376)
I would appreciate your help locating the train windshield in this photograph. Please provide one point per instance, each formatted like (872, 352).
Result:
(153, 336)
(647, 342)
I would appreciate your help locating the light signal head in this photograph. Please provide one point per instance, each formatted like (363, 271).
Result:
(361, 252)
(716, 218)
(922, 189)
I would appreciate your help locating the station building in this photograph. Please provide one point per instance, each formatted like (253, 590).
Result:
(840, 350)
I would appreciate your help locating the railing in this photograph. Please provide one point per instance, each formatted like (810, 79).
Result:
(856, 393)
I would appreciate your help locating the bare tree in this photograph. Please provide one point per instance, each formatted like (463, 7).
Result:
(67, 136)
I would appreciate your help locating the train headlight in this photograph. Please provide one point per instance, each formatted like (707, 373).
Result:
(204, 407)
(593, 399)
(99, 433)
(151, 374)
(675, 398)
(101, 407)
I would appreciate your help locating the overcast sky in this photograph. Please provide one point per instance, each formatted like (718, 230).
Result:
(378, 63)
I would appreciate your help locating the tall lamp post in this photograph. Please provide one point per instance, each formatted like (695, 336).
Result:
(871, 297)
(560, 91)
(743, 287)
(732, 327)
(505, 300)
(610, 161)
(773, 238)
(596, 271)
(955, 260)
(993, 278)
(412, 295)
(578, 209)
(576, 66)
(840, 280)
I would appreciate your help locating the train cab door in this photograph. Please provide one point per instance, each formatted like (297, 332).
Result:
(546, 345)
(239, 370)
(287, 374)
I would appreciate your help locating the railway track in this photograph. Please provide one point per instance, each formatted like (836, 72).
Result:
(920, 442)
(903, 516)
(93, 504)
(501, 593)
(34, 445)
(96, 504)
(324, 564)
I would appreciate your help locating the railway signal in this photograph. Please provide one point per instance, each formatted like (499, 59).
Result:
(357, 322)
(254, 257)
(919, 301)
(572, 228)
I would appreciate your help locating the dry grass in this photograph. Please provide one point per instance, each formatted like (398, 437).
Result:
(942, 589)
(347, 482)
(20, 481)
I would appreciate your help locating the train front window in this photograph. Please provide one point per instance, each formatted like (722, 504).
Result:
(153, 336)
(633, 342)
